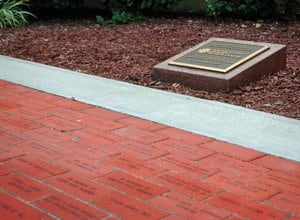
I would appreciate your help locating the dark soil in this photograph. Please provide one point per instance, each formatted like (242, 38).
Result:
(128, 53)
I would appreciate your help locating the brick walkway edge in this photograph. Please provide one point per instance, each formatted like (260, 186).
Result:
(62, 159)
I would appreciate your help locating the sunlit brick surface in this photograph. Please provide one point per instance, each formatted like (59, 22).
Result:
(62, 159)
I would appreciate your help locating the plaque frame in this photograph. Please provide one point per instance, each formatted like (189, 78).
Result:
(220, 70)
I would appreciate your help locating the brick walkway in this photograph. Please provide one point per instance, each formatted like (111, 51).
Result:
(69, 160)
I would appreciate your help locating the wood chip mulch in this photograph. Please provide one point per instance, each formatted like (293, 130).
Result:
(128, 53)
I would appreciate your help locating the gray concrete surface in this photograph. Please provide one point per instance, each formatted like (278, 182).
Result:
(261, 131)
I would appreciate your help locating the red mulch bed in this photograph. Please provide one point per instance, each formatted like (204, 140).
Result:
(128, 52)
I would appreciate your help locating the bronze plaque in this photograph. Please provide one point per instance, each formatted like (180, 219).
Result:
(219, 56)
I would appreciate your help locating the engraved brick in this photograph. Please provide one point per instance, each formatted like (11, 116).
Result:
(35, 104)
(245, 207)
(132, 185)
(18, 124)
(11, 208)
(135, 166)
(104, 114)
(242, 186)
(287, 201)
(99, 123)
(233, 165)
(184, 136)
(7, 152)
(44, 151)
(6, 105)
(232, 150)
(103, 134)
(49, 135)
(183, 149)
(279, 164)
(139, 135)
(4, 171)
(41, 96)
(281, 180)
(11, 137)
(187, 207)
(141, 124)
(83, 166)
(27, 113)
(78, 186)
(65, 207)
(128, 208)
(185, 185)
(92, 152)
(185, 166)
(34, 167)
(65, 113)
(84, 138)
(138, 150)
(24, 187)
(60, 124)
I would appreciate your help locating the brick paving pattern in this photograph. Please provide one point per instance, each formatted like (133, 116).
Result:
(62, 159)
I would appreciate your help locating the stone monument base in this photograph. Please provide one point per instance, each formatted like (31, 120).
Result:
(271, 60)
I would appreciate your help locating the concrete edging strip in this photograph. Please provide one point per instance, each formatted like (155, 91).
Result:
(272, 134)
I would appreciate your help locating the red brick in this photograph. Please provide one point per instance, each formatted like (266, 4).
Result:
(141, 124)
(138, 150)
(4, 171)
(232, 150)
(279, 164)
(232, 165)
(44, 151)
(18, 124)
(185, 185)
(27, 113)
(104, 114)
(6, 105)
(11, 137)
(87, 139)
(78, 186)
(49, 136)
(71, 104)
(65, 113)
(139, 135)
(65, 207)
(103, 134)
(60, 124)
(173, 217)
(7, 152)
(182, 149)
(185, 166)
(83, 166)
(92, 152)
(132, 185)
(41, 96)
(245, 207)
(188, 208)
(135, 166)
(242, 186)
(11, 208)
(99, 123)
(128, 208)
(24, 187)
(287, 200)
(281, 180)
(184, 136)
(34, 167)
(34, 104)
(294, 218)
(91, 146)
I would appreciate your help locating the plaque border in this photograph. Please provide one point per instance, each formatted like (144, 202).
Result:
(264, 48)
